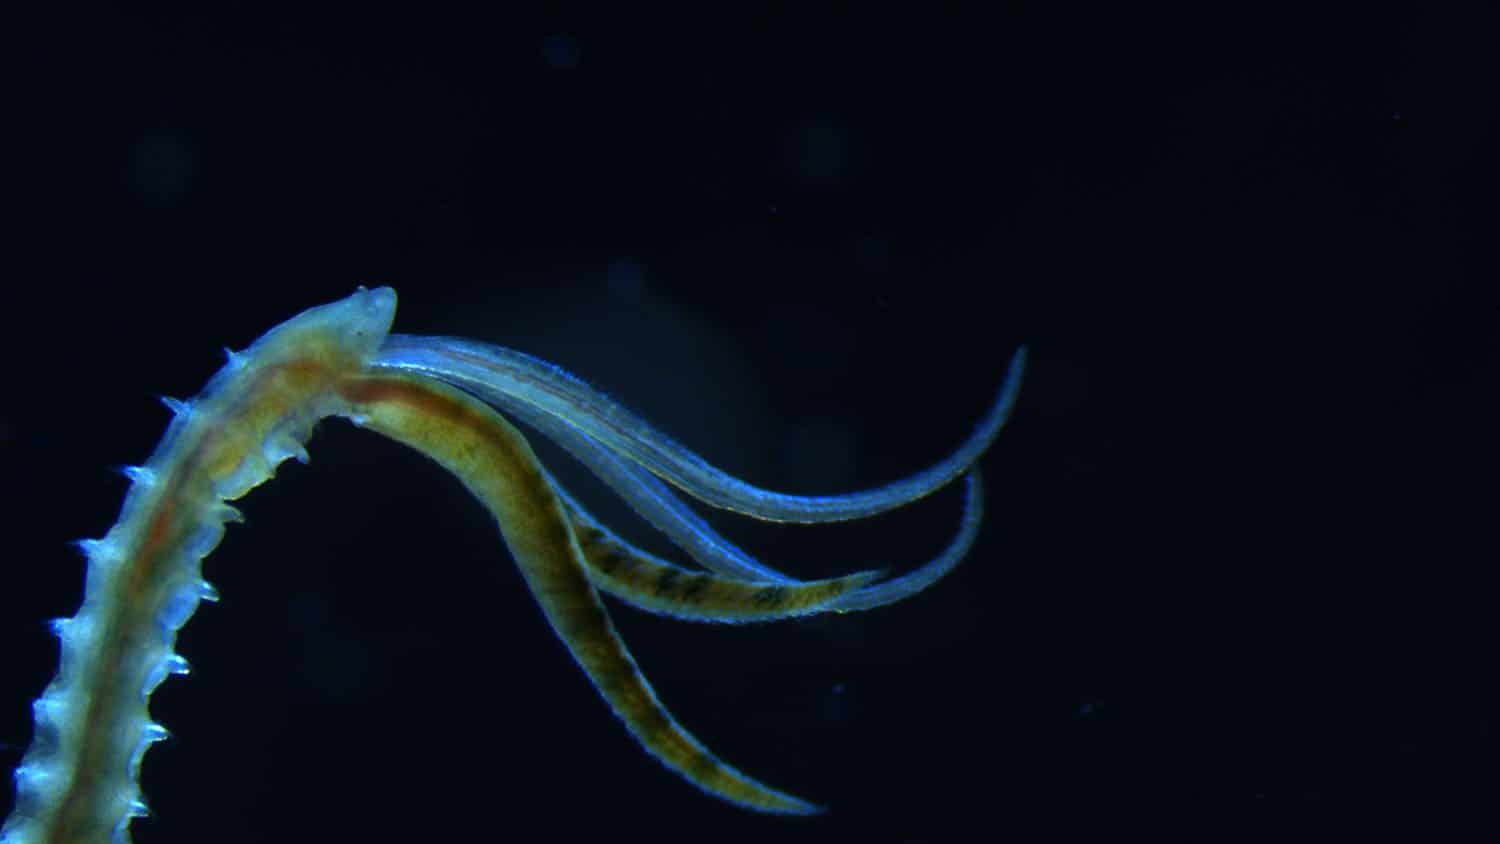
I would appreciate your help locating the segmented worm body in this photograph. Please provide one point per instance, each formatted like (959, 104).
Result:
(78, 781)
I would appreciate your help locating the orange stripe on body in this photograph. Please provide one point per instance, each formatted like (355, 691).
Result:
(494, 461)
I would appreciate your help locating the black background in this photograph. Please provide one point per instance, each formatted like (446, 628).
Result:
(1235, 581)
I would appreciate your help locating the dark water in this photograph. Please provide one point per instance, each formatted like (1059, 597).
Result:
(1233, 585)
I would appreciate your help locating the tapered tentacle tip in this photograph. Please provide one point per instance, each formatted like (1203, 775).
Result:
(1013, 374)
(731, 785)
(759, 797)
(786, 804)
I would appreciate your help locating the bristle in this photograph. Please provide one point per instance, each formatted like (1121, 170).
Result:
(177, 609)
(282, 446)
(156, 675)
(77, 631)
(103, 554)
(36, 779)
(119, 647)
(52, 709)
(150, 733)
(139, 474)
(178, 407)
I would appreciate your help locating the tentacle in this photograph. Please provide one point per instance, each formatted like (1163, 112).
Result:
(494, 461)
(656, 585)
(914, 581)
(642, 567)
(648, 496)
(144, 577)
(500, 375)
(662, 509)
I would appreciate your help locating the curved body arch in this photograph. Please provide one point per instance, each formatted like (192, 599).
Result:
(79, 780)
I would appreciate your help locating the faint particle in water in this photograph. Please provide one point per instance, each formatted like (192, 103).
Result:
(560, 51)
(836, 704)
(160, 169)
(872, 254)
(815, 342)
(625, 278)
(334, 664)
(815, 153)
(819, 450)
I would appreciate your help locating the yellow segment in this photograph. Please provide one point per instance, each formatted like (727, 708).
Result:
(494, 461)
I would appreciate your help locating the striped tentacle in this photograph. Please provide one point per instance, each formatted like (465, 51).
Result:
(494, 461)
(656, 585)
(508, 378)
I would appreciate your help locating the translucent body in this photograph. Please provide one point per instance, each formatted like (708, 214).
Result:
(78, 782)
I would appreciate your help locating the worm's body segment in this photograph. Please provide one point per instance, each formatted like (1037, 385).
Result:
(78, 782)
